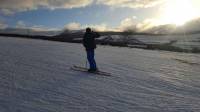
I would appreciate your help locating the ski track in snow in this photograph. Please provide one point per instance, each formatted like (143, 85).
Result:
(35, 77)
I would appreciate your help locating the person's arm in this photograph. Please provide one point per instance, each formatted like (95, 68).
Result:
(97, 35)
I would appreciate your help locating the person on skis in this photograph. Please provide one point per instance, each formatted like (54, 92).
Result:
(90, 46)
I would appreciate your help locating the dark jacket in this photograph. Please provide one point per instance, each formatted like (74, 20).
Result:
(89, 40)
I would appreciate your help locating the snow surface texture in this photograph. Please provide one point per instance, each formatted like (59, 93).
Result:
(35, 77)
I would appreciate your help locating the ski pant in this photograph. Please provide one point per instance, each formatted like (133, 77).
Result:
(91, 60)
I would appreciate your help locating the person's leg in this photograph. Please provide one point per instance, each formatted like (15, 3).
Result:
(90, 57)
(93, 60)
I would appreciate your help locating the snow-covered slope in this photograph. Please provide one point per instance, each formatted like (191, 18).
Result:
(35, 77)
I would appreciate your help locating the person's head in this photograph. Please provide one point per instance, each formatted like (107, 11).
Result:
(88, 30)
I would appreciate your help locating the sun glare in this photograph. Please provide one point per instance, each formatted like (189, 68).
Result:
(178, 12)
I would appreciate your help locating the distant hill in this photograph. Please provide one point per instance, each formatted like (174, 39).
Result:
(32, 32)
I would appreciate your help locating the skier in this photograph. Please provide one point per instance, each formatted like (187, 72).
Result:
(90, 46)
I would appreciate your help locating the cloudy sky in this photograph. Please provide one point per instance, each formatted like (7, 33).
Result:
(99, 14)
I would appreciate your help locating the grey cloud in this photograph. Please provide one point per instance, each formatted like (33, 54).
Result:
(68, 3)
(193, 25)
(11, 6)
(20, 24)
(3, 25)
(73, 26)
(130, 3)
(148, 26)
(189, 27)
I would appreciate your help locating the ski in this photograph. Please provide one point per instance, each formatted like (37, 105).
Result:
(83, 69)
